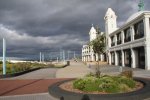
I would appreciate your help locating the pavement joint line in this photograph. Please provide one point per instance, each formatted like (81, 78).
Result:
(20, 87)
(25, 95)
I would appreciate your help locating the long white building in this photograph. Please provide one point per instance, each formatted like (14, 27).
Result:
(128, 45)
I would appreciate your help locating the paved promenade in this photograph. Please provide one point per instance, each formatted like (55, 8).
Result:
(34, 85)
(40, 96)
(76, 69)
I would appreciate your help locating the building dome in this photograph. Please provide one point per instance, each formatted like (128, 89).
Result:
(135, 15)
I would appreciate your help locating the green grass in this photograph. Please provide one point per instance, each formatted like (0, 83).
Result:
(108, 84)
(19, 67)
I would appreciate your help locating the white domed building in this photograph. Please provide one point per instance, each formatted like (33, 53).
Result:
(128, 45)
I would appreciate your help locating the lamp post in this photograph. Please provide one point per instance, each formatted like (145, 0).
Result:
(4, 56)
(68, 55)
(40, 57)
(74, 54)
(43, 57)
(63, 55)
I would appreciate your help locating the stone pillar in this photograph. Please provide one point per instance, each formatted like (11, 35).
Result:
(102, 57)
(109, 42)
(122, 36)
(147, 57)
(109, 57)
(92, 58)
(86, 57)
(116, 58)
(89, 57)
(115, 39)
(146, 27)
(147, 47)
(132, 32)
(97, 57)
(122, 53)
(133, 58)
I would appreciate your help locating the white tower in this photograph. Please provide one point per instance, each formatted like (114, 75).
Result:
(92, 33)
(110, 26)
(110, 21)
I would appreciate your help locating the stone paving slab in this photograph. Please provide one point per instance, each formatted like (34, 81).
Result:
(76, 69)
(19, 87)
(40, 96)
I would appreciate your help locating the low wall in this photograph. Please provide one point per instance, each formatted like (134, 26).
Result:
(19, 73)
(141, 94)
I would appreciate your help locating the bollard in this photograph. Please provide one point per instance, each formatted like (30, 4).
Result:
(120, 69)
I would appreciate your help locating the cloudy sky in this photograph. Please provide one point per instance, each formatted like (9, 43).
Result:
(33, 26)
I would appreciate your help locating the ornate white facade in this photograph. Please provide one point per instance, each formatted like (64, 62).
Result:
(87, 51)
(129, 44)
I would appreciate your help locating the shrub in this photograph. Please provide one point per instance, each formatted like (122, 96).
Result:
(79, 84)
(83, 84)
(128, 73)
(109, 84)
(90, 75)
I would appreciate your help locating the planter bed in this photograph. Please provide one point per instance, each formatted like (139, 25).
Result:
(140, 94)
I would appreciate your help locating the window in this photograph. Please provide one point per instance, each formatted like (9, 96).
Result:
(119, 38)
(113, 58)
(112, 41)
(139, 30)
(127, 35)
(127, 58)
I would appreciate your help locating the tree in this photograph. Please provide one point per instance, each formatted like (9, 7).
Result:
(98, 45)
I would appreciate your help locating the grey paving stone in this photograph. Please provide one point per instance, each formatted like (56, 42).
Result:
(41, 96)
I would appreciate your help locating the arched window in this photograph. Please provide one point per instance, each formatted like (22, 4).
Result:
(139, 30)
(127, 35)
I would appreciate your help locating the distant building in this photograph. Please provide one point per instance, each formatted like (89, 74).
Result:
(128, 45)
(87, 51)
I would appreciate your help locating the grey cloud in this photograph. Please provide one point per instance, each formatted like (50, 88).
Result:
(65, 23)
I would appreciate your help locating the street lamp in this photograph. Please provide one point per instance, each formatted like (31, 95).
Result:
(4, 56)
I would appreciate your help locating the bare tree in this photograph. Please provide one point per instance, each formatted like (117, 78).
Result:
(98, 45)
